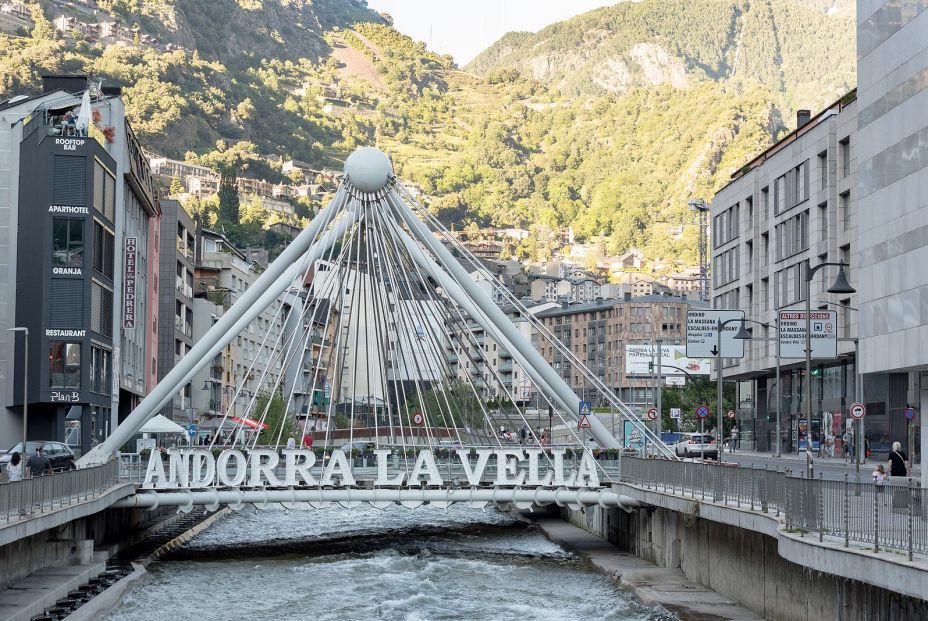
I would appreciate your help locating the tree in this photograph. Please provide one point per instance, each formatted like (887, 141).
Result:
(271, 408)
(176, 187)
(228, 197)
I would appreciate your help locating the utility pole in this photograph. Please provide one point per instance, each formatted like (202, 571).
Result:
(660, 385)
(700, 206)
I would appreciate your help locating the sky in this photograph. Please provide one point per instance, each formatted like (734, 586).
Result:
(464, 28)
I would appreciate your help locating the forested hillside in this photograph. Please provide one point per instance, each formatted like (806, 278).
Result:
(240, 85)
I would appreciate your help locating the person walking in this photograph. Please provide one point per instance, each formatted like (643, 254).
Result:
(847, 442)
(291, 443)
(523, 434)
(735, 439)
(898, 462)
(14, 469)
(38, 464)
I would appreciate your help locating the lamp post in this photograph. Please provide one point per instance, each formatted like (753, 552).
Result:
(741, 335)
(25, 332)
(841, 285)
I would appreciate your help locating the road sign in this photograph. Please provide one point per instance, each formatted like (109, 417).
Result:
(675, 413)
(639, 359)
(702, 333)
(858, 410)
(792, 337)
(192, 430)
(909, 413)
(675, 380)
(730, 414)
(418, 419)
(702, 411)
(652, 414)
(585, 408)
(583, 423)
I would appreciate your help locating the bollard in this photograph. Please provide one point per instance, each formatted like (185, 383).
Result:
(847, 534)
(820, 518)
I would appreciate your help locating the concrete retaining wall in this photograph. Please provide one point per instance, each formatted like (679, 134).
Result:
(744, 566)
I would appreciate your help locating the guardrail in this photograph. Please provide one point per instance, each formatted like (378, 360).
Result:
(38, 495)
(894, 515)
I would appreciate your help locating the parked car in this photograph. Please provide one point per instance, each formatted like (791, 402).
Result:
(58, 453)
(695, 445)
(358, 445)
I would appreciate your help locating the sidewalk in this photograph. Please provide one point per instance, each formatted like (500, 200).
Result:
(792, 458)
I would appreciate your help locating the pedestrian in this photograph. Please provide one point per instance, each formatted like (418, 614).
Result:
(867, 451)
(735, 439)
(523, 434)
(879, 475)
(307, 440)
(847, 441)
(829, 444)
(38, 464)
(291, 443)
(14, 469)
(898, 462)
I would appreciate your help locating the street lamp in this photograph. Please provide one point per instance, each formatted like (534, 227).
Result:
(25, 332)
(741, 335)
(841, 285)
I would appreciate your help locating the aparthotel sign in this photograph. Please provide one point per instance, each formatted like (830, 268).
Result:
(199, 468)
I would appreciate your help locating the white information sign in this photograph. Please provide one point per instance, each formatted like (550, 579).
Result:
(638, 359)
(675, 413)
(824, 324)
(702, 333)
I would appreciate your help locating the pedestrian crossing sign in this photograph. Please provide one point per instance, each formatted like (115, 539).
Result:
(585, 407)
(584, 422)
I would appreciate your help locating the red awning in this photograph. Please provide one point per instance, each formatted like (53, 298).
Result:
(253, 424)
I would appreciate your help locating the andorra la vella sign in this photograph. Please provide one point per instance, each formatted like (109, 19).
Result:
(199, 468)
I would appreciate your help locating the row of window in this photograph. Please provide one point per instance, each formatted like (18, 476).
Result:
(725, 267)
(725, 226)
(792, 235)
(791, 188)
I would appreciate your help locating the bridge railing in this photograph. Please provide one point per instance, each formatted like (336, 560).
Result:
(891, 516)
(36, 495)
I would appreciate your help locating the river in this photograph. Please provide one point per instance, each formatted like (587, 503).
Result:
(460, 563)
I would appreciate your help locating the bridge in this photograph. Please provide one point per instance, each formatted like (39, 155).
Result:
(388, 343)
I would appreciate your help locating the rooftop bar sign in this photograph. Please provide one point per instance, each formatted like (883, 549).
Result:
(198, 468)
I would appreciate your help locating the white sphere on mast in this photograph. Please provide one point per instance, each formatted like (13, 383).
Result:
(368, 169)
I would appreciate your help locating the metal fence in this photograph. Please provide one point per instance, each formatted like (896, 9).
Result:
(37, 495)
(891, 516)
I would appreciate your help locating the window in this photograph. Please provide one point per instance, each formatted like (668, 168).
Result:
(792, 236)
(823, 221)
(844, 149)
(844, 208)
(64, 365)
(66, 303)
(101, 309)
(823, 168)
(67, 242)
(792, 188)
(104, 191)
(103, 249)
(70, 181)
(100, 369)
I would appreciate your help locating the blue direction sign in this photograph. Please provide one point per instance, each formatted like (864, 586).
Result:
(702, 411)
(585, 408)
(192, 430)
(909, 413)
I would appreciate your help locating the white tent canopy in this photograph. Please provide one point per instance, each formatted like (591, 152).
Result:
(161, 424)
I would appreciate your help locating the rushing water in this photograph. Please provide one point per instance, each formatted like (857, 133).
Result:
(462, 563)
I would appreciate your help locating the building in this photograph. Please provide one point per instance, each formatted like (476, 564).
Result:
(892, 152)
(80, 212)
(252, 363)
(597, 333)
(175, 338)
(795, 202)
(15, 17)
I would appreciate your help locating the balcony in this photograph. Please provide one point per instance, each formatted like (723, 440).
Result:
(310, 366)
(182, 326)
(181, 402)
(215, 405)
(184, 250)
(182, 287)
(505, 366)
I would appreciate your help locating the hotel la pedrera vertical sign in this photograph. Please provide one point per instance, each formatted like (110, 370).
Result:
(128, 287)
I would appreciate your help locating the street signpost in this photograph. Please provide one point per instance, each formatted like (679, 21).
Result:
(702, 412)
(824, 334)
(702, 333)
(675, 413)
(652, 414)
(858, 411)
(191, 431)
(909, 413)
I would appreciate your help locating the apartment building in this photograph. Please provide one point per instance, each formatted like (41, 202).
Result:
(794, 203)
(175, 336)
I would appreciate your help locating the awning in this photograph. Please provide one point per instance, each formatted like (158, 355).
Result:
(253, 424)
(161, 424)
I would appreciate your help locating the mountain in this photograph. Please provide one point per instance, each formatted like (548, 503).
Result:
(792, 46)
(634, 110)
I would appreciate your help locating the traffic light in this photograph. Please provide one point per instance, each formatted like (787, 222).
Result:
(651, 368)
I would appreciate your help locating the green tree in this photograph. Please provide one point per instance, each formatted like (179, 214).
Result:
(176, 187)
(229, 201)
(271, 407)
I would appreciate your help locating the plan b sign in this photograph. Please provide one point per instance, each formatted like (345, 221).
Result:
(702, 333)
(824, 334)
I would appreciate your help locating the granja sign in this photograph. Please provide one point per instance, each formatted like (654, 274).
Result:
(199, 468)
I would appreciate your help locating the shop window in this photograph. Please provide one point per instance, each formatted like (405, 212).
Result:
(100, 369)
(64, 365)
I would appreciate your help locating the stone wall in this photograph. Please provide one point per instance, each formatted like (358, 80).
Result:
(744, 566)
